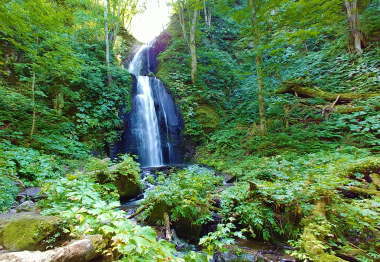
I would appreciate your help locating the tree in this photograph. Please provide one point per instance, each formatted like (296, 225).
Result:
(356, 39)
(189, 28)
(117, 13)
(254, 5)
(107, 40)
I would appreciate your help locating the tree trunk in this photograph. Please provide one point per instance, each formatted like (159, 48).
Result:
(207, 14)
(312, 91)
(183, 25)
(256, 34)
(260, 94)
(193, 46)
(356, 36)
(106, 31)
(32, 129)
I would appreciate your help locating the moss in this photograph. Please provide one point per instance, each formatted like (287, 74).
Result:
(127, 175)
(368, 166)
(347, 109)
(157, 214)
(207, 117)
(127, 187)
(315, 234)
(375, 179)
(27, 232)
(303, 89)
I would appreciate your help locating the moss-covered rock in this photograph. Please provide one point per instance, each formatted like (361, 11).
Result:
(127, 178)
(26, 231)
(124, 175)
(186, 229)
(207, 117)
(128, 188)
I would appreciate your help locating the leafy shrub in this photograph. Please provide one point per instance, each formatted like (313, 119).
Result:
(274, 195)
(28, 164)
(8, 192)
(186, 194)
(87, 208)
(221, 238)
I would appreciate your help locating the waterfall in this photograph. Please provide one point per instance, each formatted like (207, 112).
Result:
(153, 127)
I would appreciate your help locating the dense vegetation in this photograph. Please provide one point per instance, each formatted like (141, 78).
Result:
(280, 97)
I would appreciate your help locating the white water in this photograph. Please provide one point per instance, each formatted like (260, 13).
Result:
(147, 131)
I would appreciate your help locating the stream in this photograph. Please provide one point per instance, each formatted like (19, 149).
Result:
(244, 250)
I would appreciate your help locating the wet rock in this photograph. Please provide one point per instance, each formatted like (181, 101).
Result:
(128, 188)
(26, 231)
(212, 225)
(27, 206)
(232, 257)
(185, 229)
(229, 179)
(31, 193)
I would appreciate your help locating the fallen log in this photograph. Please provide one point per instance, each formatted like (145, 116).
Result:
(366, 192)
(308, 91)
(78, 250)
(347, 109)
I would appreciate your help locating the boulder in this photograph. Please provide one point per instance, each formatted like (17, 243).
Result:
(78, 250)
(27, 206)
(187, 230)
(128, 187)
(26, 231)
(30, 193)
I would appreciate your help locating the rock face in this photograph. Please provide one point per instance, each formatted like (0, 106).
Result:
(25, 231)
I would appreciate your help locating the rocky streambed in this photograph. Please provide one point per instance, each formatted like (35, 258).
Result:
(27, 236)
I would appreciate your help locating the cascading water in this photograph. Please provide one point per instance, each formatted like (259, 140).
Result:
(153, 127)
(145, 127)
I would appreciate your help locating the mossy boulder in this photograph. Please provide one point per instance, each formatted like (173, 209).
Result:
(207, 117)
(127, 178)
(156, 215)
(26, 231)
(124, 175)
(186, 229)
(128, 188)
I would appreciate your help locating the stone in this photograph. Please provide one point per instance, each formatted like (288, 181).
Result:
(127, 187)
(30, 193)
(26, 206)
(78, 250)
(187, 230)
(26, 231)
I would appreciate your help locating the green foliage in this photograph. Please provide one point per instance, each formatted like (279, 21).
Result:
(8, 193)
(30, 165)
(359, 128)
(224, 236)
(186, 194)
(88, 208)
(62, 44)
(274, 194)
